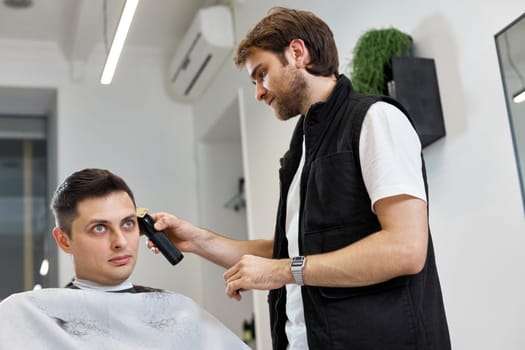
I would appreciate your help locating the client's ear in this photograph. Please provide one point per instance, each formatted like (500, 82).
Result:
(62, 239)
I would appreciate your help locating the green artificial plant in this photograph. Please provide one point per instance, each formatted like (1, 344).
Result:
(370, 64)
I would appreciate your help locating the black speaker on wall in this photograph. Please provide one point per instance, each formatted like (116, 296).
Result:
(415, 86)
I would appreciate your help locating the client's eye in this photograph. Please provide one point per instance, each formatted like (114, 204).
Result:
(99, 229)
(129, 224)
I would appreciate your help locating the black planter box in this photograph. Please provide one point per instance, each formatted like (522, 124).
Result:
(414, 84)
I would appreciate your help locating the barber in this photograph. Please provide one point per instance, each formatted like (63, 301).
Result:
(351, 263)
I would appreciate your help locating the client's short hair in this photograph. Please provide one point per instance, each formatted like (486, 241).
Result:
(84, 184)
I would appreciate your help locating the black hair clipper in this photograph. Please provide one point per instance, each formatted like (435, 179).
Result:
(161, 241)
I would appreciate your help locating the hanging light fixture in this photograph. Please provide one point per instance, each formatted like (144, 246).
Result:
(118, 41)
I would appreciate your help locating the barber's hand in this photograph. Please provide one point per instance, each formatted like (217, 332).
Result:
(254, 272)
(180, 232)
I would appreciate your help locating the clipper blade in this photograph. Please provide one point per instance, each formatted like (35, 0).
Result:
(141, 212)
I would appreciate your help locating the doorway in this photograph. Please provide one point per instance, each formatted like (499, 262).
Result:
(27, 257)
(222, 209)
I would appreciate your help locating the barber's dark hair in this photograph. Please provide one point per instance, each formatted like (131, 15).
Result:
(84, 184)
(279, 27)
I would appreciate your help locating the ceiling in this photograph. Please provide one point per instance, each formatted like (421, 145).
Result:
(77, 26)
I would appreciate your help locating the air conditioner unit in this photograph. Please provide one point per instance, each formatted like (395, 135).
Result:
(205, 46)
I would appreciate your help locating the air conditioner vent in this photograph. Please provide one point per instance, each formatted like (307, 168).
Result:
(205, 46)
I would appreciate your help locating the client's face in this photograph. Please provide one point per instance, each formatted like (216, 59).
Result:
(105, 238)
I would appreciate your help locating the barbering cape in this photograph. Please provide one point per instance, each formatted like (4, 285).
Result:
(59, 318)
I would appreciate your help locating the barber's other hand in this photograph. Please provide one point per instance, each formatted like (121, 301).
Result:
(254, 272)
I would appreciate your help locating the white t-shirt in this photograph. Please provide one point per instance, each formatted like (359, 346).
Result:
(295, 327)
(390, 155)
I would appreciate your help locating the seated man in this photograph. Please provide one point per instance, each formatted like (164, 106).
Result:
(96, 223)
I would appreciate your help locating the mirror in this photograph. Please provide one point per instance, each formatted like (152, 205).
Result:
(511, 55)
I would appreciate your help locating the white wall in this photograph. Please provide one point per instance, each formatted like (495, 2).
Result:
(475, 207)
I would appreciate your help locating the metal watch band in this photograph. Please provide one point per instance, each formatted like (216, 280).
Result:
(296, 265)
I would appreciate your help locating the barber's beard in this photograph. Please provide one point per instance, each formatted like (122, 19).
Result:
(289, 100)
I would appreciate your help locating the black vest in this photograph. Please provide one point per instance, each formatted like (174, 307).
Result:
(403, 313)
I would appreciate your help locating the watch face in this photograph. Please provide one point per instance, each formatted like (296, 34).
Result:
(297, 261)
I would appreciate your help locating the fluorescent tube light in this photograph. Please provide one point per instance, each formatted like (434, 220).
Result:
(519, 96)
(118, 41)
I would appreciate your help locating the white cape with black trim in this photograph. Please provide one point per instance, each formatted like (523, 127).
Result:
(60, 318)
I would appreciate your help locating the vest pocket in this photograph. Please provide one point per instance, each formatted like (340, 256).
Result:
(335, 194)
(376, 317)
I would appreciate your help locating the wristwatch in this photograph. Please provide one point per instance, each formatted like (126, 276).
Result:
(297, 265)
